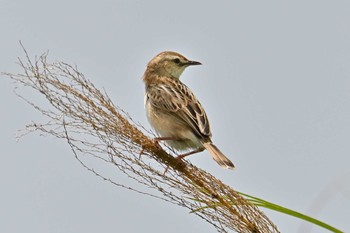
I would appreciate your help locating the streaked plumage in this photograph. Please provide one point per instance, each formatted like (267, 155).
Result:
(173, 110)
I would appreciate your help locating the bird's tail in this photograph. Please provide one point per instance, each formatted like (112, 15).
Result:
(218, 156)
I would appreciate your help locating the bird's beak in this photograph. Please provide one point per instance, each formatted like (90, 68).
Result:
(193, 63)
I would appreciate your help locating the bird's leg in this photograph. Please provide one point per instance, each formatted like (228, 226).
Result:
(156, 141)
(179, 157)
(189, 153)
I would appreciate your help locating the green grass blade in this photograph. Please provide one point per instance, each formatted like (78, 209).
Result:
(262, 203)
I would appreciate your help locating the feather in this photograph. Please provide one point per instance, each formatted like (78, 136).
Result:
(175, 97)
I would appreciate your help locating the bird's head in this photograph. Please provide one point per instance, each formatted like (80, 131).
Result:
(169, 64)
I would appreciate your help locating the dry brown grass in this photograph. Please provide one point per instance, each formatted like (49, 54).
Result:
(102, 134)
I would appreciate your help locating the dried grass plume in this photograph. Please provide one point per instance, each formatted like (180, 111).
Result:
(101, 134)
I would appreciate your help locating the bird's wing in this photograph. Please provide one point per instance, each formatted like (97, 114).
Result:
(176, 98)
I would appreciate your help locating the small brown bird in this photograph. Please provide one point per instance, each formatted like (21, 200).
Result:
(173, 110)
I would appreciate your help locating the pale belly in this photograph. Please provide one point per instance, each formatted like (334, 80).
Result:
(167, 125)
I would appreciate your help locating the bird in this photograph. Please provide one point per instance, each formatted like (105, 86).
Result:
(173, 110)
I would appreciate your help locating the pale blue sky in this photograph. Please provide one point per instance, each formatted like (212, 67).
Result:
(275, 83)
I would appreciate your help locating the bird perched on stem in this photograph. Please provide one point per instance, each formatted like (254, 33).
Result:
(174, 111)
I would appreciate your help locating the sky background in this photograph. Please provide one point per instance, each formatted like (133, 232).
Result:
(275, 83)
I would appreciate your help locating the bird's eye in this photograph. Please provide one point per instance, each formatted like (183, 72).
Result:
(177, 60)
